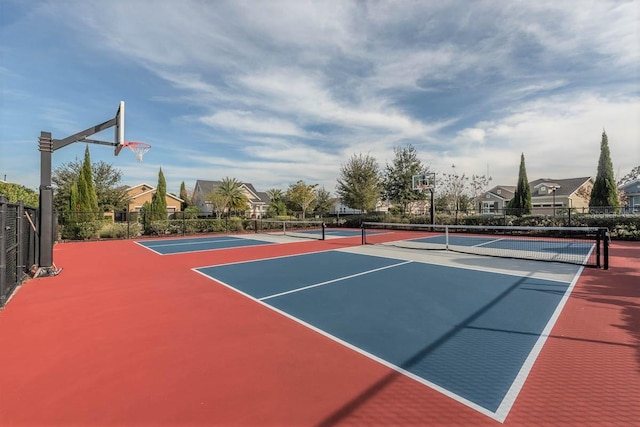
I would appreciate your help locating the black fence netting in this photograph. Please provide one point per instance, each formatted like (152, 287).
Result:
(18, 243)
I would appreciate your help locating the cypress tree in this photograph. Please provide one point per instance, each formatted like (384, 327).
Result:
(159, 199)
(87, 198)
(521, 202)
(184, 196)
(605, 191)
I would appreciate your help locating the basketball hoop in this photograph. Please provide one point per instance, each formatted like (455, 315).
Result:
(422, 187)
(138, 148)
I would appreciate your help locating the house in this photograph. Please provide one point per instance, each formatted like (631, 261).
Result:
(141, 193)
(631, 191)
(258, 201)
(547, 195)
(496, 199)
(340, 209)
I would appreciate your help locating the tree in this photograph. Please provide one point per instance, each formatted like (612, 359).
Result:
(158, 208)
(521, 202)
(111, 195)
(186, 200)
(605, 191)
(18, 193)
(479, 186)
(87, 198)
(453, 187)
(359, 184)
(218, 202)
(74, 205)
(232, 194)
(302, 195)
(324, 204)
(398, 178)
(276, 195)
(277, 204)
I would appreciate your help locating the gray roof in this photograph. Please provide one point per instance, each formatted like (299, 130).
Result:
(566, 187)
(506, 191)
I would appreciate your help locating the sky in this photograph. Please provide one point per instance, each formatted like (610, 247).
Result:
(271, 92)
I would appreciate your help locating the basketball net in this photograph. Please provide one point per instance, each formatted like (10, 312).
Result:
(139, 149)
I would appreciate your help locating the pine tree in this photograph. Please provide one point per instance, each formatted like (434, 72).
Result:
(87, 198)
(521, 202)
(604, 192)
(159, 199)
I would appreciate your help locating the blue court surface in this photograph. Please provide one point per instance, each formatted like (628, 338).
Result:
(341, 233)
(470, 334)
(550, 246)
(178, 246)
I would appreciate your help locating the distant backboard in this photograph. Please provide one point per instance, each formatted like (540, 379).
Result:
(423, 182)
(119, 136)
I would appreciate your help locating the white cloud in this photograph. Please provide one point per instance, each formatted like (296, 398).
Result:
(249, 122)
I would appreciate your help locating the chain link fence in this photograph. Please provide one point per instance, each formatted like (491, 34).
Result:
(18, 245)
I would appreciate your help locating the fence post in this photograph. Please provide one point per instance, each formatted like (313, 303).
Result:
(605, 254)
(3, 250)
(20, 240)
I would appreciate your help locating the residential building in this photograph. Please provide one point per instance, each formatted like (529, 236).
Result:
(341, 209)
(496, 199)
(141, 193)
(547, 195)
(258, 201)
(631, 191)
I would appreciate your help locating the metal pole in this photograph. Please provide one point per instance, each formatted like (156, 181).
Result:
(45, 225)
(432, 208)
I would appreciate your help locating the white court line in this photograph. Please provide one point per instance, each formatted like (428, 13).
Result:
(333, 281)
(517, 384)
(489, 242)
(203, 241)
(147, 247)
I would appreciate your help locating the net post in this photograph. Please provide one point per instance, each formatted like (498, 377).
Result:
(323, 229)
(364, 236)
(255, 226)
(606, 248)
(598, 242)
(446, 237)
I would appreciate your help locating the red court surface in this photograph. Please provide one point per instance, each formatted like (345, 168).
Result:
(126, 337)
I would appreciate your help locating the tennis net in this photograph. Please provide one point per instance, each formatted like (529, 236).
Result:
(575, 245)
(293, 228)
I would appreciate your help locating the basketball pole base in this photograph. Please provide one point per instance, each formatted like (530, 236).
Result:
(36, 271)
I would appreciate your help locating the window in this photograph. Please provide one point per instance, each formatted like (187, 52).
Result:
(499, 191)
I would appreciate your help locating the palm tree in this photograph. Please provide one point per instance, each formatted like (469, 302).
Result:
(276, 195)
(235, 198)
